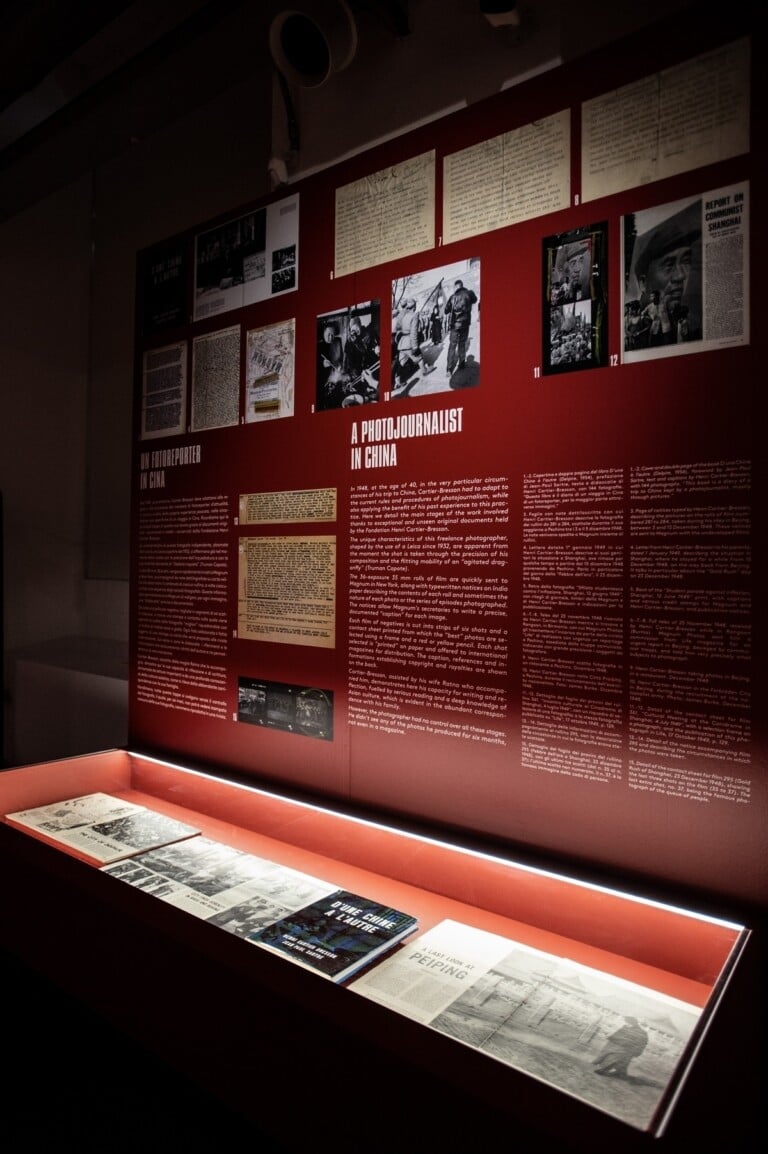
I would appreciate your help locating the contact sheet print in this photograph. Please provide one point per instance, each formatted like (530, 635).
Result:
(248, 259)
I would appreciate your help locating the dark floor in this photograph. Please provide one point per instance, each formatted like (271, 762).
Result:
(70, 1082)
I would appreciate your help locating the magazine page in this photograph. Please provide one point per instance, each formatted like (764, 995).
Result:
(686, 275)
(248, 259)
(237, 891)
(609, 1042)
(104, 828)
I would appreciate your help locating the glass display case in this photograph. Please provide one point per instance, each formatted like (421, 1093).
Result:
(575, 961)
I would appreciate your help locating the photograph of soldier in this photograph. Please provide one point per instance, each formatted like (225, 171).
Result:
(436, 330)
(609, 1042)
(662, 277)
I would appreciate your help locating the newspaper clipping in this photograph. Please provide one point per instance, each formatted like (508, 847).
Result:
(685, 282)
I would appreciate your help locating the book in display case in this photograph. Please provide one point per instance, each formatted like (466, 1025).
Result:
(516, 986)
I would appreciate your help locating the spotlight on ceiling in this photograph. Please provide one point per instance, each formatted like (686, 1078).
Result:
(313, 41)
(500, 13)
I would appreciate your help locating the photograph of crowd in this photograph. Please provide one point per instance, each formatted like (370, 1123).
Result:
(436, 330)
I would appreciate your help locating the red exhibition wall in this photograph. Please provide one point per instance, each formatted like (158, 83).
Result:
(522, 598)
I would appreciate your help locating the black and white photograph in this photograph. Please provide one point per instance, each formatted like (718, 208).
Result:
(348, 356)
(200, 864)
(609, 1042)
(248, 917)
(103, 827)
(436, 330)
(236, 891)
(575, 316)
(300, 709)
(248, 259)
(227, 256)
(685, 275)
(663, 303)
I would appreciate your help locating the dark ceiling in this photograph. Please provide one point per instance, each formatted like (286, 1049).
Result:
(67, 62)
(82, 80)
(39, 34)
(55, 55)
(52, 52)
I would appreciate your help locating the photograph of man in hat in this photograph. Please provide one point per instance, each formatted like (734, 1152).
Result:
(662, 252)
